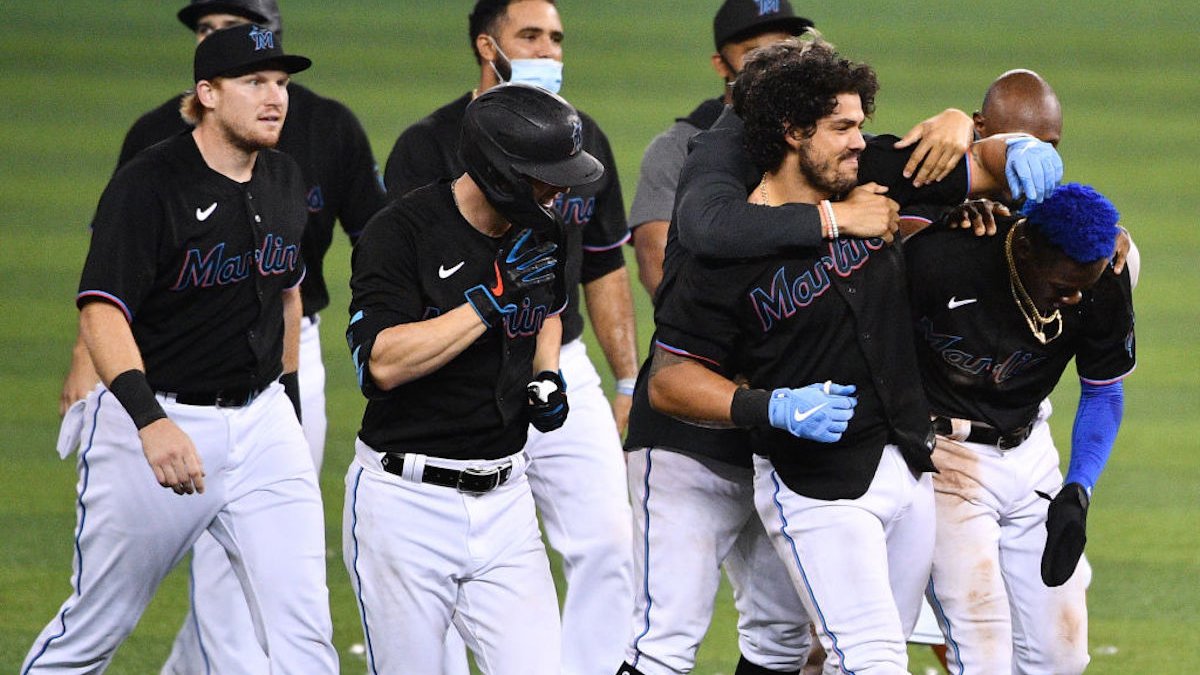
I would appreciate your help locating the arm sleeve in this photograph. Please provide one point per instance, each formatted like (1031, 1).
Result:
(712, 216)
(384, 289)
(363, 194)
(659, 176)
(605, 229)
(123, 257)
(1097, 420)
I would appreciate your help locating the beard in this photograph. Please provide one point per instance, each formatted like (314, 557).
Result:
(824, 173)
(247, 138)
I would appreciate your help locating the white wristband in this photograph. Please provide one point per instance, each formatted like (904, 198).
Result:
(625, 386)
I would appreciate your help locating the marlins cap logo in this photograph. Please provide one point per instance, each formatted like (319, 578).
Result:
(263, 38)
(767, 6)
(576, 136)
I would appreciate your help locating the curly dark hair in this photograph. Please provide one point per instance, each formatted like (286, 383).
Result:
(793, 84)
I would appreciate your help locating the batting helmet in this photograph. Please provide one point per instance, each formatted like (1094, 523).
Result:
(516, 131)
(262, 12)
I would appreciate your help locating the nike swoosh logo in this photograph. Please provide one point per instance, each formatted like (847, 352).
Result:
(955, 303)
(445, 273)
(801, 416)
(202, 215)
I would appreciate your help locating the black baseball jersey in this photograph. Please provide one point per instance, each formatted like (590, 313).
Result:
(198, 262)
(341, 178)
(838, 311)
(428, 151)
(978, 358)
(415, 260)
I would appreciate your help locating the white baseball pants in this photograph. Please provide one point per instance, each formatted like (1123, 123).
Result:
(261, 505)
(860, 565)
(577, 474)
(421, 556)
(987, 588)
(691, 515)
(217, 636)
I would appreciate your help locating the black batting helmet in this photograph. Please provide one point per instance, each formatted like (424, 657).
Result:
(516, 131)
(262, 12)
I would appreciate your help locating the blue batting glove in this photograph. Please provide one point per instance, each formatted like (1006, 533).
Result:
(818, 412)
(1032, 167)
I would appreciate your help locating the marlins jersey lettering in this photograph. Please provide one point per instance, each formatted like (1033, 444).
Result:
(837, 312)
(414, 262)
(428, 151)
(978, 358)
(222, 251)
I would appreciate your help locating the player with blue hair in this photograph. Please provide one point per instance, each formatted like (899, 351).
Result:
(997, 321)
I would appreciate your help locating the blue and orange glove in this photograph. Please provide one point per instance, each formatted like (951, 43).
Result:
(519, 267)
(1032, 167)
(818, 412)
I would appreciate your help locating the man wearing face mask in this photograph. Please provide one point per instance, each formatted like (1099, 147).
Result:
(577, 473)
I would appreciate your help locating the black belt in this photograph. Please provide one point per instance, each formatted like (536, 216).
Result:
(985, 434)
(467, 480)
(225, 398)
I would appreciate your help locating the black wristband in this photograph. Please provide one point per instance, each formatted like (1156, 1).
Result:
(135, 395)
(291, 387)
(750, 407)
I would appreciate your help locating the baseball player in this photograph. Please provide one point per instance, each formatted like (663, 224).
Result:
(342, 183)
(997, 320)
(688, 517)
(455, 333)
(190, 307)
(578, 477)
(839, 464)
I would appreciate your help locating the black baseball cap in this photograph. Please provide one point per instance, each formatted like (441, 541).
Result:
(238, 50)
(262, 12)
(740, 19)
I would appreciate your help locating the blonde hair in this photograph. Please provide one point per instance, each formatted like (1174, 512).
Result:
(190, 108)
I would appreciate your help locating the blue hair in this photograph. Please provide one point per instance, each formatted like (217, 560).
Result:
(1077, 219)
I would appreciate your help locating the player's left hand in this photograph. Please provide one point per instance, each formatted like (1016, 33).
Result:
(547, 401)
(1066, 534)
(978, 215)
(944, 140)
(1032, 167)
(818, 412)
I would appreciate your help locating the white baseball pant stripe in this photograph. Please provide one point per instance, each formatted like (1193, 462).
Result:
(860, 565)
(421, 556)
(217, 634)
(577, 474)
(692, 514)
(987, 587)
(131, 532)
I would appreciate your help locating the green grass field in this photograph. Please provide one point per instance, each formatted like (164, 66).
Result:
(75, 75)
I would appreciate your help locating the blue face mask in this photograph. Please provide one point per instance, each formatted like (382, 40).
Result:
(544, 73)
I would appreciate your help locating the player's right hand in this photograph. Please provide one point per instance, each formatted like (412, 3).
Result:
(818, 412)
(867, 213)
(172, 456)
(1066, 534)
(1032, 167)
(978, 215)
(519, 266)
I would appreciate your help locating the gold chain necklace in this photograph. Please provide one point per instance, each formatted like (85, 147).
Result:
(762, 190)
(1029, 310)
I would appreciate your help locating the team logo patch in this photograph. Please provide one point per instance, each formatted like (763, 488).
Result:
(576, 136)
(263, 38)
(315, 199)
(767, 6)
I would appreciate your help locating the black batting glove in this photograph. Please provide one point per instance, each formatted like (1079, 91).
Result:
(519, 267)
(547, 401)
(1066, 534)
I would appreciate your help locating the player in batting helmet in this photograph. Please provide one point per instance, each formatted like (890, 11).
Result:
(517, 131)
